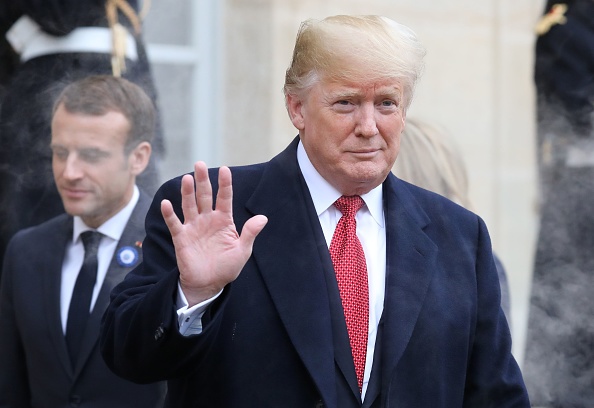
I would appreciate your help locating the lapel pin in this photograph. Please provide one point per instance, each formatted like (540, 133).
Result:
(127, 256)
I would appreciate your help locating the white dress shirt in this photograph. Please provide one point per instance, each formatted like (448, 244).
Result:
(370, 231)
(112, 230)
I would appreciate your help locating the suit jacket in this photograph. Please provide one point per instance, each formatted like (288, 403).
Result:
(35, 369)
(274, 337)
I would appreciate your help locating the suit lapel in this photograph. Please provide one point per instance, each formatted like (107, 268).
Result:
(132, 235)
(52, 281)
(292, 268)
(410, 265)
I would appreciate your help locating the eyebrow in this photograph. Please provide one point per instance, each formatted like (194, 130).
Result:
(389, 90)
(350, 93)
(93, 150)
(343, 94)
(84, 150)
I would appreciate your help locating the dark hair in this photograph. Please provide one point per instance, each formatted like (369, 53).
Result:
(100, 94)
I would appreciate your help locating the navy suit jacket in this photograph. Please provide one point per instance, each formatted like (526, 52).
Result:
(35, 368)
(276, 336)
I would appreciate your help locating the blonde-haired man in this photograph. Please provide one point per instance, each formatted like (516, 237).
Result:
(319, 279)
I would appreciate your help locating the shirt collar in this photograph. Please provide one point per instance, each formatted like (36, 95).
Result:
(113, 227)
(324, 194)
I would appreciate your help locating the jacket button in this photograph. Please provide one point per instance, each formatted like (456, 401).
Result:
(159, 333)
(319, 404)
(75, 401)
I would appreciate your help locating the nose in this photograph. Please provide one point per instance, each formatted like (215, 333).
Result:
(72, 168)
(366, 123)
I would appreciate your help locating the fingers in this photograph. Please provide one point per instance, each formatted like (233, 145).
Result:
(204, 189)
(173, 223)
(188, 198)
(196, 192)
(225, 193)
(203, 195)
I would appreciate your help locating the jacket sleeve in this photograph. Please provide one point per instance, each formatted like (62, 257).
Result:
(493, 376)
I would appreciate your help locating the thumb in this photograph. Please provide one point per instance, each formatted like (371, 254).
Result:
(250, 231)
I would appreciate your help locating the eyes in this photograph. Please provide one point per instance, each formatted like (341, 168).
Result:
(385, 105)
(91, 155)
(59, 153)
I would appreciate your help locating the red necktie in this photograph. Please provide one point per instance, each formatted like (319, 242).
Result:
(348, 259)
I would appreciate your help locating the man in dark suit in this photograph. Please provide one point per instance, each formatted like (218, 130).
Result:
(49, 334)
(400, 310)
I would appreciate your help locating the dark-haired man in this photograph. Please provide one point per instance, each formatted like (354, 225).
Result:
(57, 276)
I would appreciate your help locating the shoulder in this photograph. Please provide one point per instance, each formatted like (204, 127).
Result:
(434, 205)
(36, 245)
(445, 222)
(57, 226)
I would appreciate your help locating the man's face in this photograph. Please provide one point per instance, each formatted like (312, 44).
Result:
(351, 131)
(94, 177)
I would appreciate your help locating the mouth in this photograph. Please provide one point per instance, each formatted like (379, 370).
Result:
(73, 193)
(364, 153)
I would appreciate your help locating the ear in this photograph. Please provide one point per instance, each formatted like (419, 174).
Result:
(139, 158)
(295, 109)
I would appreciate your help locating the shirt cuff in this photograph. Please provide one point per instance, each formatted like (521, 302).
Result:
(190, 318)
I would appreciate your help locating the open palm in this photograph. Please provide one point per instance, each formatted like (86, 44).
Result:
(209, 251)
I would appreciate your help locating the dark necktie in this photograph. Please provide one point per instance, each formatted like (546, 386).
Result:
(350, 267)
(80, 305)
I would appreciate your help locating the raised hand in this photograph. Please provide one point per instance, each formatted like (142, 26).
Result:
(209, 251)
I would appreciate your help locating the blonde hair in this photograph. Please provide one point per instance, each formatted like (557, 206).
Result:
(429, 158)
(354, 48)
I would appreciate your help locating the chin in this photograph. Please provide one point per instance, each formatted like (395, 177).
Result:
(360, 186)
(368, 173)
(74, 210)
